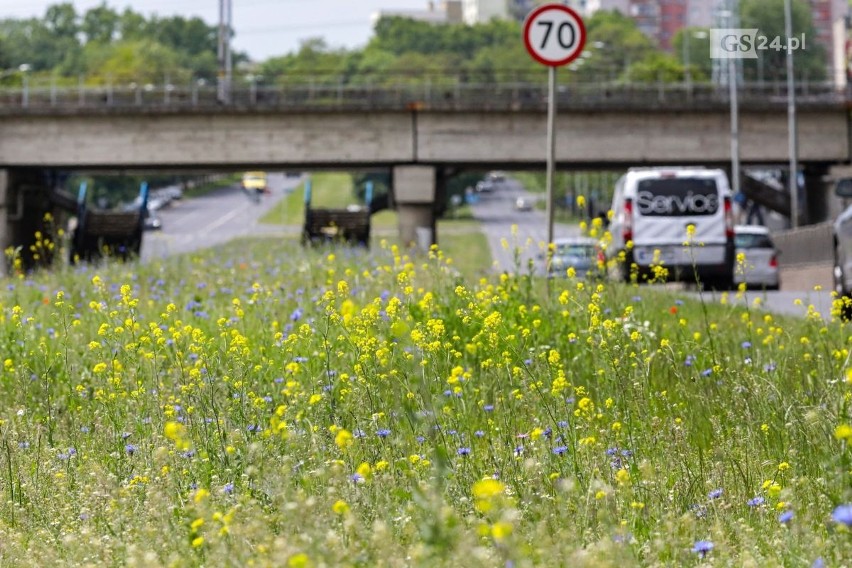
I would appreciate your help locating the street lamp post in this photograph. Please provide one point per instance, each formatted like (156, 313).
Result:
(687, 71)
(792, 141)
(25, 96)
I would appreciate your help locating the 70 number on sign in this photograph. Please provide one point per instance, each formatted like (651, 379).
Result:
(554, 34)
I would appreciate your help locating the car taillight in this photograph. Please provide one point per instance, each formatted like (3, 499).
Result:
(729, 219)
(627, 231)
(773, 262)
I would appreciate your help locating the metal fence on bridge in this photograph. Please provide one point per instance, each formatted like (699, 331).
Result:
(421, 95)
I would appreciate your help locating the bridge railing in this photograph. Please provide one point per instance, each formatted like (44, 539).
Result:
(442, 96)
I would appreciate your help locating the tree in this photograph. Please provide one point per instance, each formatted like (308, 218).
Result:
(314, 63)
(132, 25)
(768, 17)
(615, 43)
(62, 20)
(656, 67)
(697, 53)
(100, 24)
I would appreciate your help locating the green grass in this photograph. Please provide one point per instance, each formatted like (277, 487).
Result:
(264, 404)
(205, 188)
(332, 190)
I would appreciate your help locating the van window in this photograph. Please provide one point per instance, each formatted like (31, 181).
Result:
(675, 197)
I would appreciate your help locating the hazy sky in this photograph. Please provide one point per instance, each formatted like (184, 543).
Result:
(263, 27)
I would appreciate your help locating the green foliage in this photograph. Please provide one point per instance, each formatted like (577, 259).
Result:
(768, 17)
(692, 47)
(655, 68)
(110, 46)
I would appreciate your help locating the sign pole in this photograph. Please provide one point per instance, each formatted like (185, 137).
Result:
(551, 149)
(554, 35)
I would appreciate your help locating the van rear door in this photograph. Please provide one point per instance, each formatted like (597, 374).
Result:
(666, 204)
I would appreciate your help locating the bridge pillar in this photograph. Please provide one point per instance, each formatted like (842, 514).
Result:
(817, 194)
(23, 204)
(414, 192)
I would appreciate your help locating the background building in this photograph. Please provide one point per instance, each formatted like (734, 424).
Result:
(447, 12)
(480, 11)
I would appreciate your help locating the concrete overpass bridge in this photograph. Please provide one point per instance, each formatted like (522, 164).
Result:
(423, 134)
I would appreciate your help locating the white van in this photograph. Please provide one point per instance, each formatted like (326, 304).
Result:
(652, 209)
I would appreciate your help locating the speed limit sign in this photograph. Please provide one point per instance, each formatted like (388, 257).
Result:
(554, 34)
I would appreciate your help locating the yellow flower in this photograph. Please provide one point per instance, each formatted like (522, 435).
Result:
(622, 476)
(488, 488)
(201, 495)
(340, 507)
(600, 495)
(843, 432)
(501, 530)
(300, 560)
(343, 439)
(783, 466)
(197, 542)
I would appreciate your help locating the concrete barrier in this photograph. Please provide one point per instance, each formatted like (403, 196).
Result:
(807, 257)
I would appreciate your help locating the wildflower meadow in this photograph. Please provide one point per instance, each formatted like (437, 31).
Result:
(260, 404)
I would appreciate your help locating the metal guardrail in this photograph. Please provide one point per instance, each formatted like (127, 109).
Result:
(425, 96)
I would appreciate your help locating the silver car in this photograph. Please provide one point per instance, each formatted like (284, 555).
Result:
(759, 266)
(580, 253)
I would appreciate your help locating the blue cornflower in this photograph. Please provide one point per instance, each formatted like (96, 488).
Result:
(24, 445)
(548, 432)
(755, 501)
(356, 478)
(383, 433)
(562, 424)
(519, 450)
(690, 359)
(715, 494)
(746, 344)
(611, 451)
(130, 449)
(702, 547)
(785, 517)
(560, 450)
(125, 435)
(420, 439)
(488, 407)
(228, 488)
(479, 433)
(296, 315)
(818, 563)
(528, 362)
(842, 514)
(769, 367)
(706, 372)
(463, 451)
(358, 433)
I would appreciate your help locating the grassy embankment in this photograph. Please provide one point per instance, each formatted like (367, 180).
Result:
(268, 404)
(458, 232)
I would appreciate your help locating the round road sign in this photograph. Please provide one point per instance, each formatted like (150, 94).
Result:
(554, 34)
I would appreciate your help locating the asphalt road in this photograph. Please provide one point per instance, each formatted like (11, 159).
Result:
(497, 214)
(215, 218)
